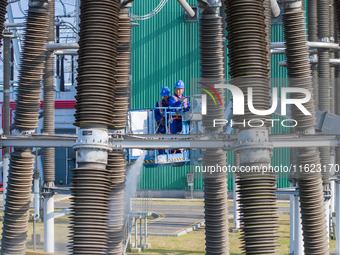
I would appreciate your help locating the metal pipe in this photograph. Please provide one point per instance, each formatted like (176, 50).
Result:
(291, 224)
(337, 217)
(36, 189)
(317, 45)
(66, 52)
(62, 46)
(7, 25)
(332, 61)
(49, 223)
(275, 8)
(187, 8)
(236, 214)
(298, 237)
(124, 3)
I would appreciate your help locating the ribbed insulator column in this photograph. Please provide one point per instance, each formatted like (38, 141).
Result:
(97, 62)
(26, 120)
(248, 61)
(212, 64)
(324, 80)
(49, 157)
(90, 206)
(94, 115)
(310, 185)
(337, 72)
(313, 37)
(215, 204)
(215, 184)
(268, 22)
(122, 98)
(3, 11)
(116, 160)
(248, 53)
(116, 166)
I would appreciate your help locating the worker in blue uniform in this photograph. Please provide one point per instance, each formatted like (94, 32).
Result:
(178, 100)
(160, 113)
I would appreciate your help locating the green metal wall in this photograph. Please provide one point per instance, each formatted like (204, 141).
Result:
(164, 50)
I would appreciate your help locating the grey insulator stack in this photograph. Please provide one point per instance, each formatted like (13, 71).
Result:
(310, 185)
(215, 184)
(116, 167)
(49, 157)
(94, 111)
(324, 80)
(337, 71)
(248, 61)
(122, 94)
(116, 159)
(313, 37)
(15, 224)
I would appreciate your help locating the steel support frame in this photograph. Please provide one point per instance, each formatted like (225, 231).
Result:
(168, 142)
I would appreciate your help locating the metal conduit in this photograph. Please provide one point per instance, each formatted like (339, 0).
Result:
(15, 224)
(248, 54)
(94, 114)
(215, 184)
(49, 157)
(310, 185)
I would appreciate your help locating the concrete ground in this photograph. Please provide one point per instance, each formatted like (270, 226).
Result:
(178, 219)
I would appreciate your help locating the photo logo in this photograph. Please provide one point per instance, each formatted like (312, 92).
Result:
(239, 100)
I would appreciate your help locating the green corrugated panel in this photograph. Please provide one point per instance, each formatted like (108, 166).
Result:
(166, 49)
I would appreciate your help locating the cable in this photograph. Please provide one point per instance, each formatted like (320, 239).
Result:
(64, 8)
(151, 14)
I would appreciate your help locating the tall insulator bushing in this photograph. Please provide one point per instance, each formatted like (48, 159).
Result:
(97, 62)
(122, 86)
(116, 167)
(3, 11)
(49, 157)
(15, 224)
(249, 68)
(337, 71)
(310, 185)
(324, 81)
(94, 115)
(116, 160)
(215, 184)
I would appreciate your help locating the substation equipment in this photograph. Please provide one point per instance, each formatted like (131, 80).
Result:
(102, 104)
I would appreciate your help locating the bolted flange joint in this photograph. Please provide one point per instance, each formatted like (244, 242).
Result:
(92, 146)
(291, 4)
(254, 146)
(38, 3)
